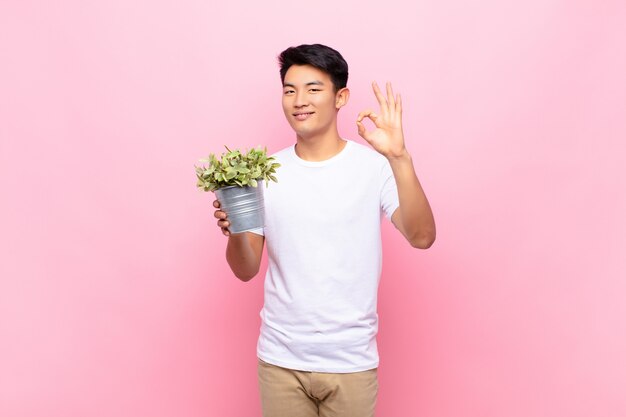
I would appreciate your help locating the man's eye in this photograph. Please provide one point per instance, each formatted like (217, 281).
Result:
(315, 90)
(288, 91)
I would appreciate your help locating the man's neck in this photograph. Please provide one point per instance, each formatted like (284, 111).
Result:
(319, 148)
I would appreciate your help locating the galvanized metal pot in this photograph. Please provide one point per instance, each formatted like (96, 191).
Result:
(243, 205)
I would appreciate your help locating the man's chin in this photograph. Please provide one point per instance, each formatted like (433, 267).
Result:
(305, 133)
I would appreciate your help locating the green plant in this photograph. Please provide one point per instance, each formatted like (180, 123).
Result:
(236, 168)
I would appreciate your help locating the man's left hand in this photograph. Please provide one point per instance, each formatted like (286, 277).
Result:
(387, 138)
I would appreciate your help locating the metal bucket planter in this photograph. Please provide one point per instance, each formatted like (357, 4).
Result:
(243, 206)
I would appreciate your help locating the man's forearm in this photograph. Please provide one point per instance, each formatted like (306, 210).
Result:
(242, 256)
(416, 216)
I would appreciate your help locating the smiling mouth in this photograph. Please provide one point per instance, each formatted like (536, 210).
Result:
(302, 116)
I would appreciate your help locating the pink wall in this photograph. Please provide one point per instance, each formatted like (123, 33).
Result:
(116, 300)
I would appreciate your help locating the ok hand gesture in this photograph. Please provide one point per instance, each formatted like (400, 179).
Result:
(387, 138)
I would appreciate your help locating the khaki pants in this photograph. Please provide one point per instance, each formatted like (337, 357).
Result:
(290, 393)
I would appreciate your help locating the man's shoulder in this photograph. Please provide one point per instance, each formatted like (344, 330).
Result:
(367, 154)
(365, 149)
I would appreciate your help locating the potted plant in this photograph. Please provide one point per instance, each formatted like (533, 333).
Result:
(235, 178)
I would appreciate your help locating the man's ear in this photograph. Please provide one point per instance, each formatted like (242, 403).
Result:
(341, 98)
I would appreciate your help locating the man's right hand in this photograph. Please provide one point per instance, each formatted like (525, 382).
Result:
(243, 251)
(223, 222)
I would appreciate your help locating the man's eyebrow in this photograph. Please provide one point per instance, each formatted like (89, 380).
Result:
(316, 82)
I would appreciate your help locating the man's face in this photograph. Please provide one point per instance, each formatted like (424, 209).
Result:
(309, 101)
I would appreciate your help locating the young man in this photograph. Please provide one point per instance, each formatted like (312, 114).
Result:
(317, 346)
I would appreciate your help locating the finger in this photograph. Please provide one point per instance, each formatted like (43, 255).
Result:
(361, 129)
(366, 113)
(225, 232)
(381, 99)
(399, 105)
(219, 214)
(223, 223)
(370, 115)
(390, 99)
(216, 204)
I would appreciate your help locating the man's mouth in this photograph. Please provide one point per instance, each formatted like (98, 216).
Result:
(303, 115)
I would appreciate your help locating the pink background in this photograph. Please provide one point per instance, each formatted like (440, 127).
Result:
(116, 299)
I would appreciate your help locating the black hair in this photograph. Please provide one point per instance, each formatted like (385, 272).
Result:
(319, 56)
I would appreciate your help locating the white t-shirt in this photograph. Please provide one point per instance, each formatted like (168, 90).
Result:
(322, 232)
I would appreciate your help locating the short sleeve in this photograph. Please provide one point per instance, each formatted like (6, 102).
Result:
(389, 201)
(257, 231)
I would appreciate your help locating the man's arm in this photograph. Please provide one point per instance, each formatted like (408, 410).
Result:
(414, 217)
(244, 250)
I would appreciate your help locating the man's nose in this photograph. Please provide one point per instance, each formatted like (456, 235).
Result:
(301, 100)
